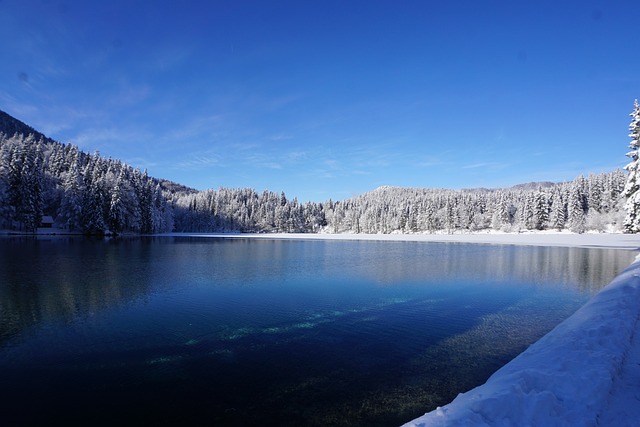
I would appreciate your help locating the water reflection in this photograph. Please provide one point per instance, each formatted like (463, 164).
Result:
(236, 331)
(587, 269)
(61, 279)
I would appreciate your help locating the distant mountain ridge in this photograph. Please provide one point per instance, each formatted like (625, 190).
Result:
(534, 185)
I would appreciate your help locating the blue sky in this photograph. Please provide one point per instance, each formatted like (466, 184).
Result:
(329, 99)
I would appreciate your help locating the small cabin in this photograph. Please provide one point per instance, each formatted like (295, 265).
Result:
(47, 222)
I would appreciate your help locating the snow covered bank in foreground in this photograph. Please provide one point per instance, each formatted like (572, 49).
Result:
(585, 372)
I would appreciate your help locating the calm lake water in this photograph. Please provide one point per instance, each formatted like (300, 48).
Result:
(213, 331)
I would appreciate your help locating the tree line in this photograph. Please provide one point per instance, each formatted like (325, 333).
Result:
(91, 194)
(591, 203)
(83, 192)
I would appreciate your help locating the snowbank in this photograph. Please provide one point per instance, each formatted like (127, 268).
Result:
(584, 372)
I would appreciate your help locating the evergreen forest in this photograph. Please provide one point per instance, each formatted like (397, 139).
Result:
(90, 194)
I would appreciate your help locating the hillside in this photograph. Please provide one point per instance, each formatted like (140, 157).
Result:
(91, 194)
(10, 126)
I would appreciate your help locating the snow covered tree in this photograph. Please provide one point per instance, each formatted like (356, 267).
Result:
(501, 217)
(558, 215)
(93, 201)
(575, 210)
(527, 219)
(540, 211)
(632, 188)
(24, 183)
(29, 208)
(116, 218)
(71, 208)
(145, 200)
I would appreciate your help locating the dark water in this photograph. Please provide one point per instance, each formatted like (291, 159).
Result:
(166, 331)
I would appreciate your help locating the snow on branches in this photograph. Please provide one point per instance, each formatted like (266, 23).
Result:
(632, 187)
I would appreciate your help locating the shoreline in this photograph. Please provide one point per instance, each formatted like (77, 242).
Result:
(564, 239)
(526, 238)
(583, 372)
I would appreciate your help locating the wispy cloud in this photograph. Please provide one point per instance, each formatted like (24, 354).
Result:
(56, 121)
(279, 102)
(167, 57)
(112, 138)
(485, 165)
(198, 126)
(20, 109)
(321, 174)
(198, 161)
(245, 146)
(272, 165)
(295, 156)
(52, 120)
(129, 95)
(437, 155)
(476, 165)
(280, 137)
(141, 163)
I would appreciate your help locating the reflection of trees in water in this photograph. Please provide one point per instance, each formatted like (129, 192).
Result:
(587, 270)
(57, 281)
(61, 279)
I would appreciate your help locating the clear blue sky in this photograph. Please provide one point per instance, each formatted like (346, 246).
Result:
(329, 98)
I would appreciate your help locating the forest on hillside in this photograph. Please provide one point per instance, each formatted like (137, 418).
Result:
(91, 194)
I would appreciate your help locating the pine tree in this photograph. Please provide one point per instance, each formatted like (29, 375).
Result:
(575, 210)
(501, 217)
(117, 209)
(14, 182)
(145, 200)
(540, 211)
(93, 201)
(24, 176)
(71, 206)
(558, 215)
(527, 220)
(632, 188)
(30, 207)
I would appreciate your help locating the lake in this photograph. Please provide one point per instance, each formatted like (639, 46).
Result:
(218, 331)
